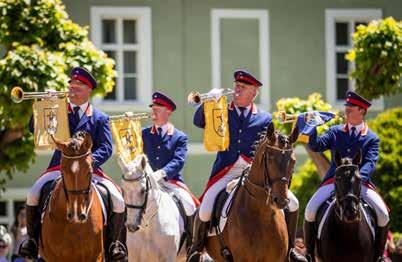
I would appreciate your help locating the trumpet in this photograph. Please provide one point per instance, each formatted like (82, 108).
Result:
(285, 118)
(18, 95)
(131, 115)
(195, 98)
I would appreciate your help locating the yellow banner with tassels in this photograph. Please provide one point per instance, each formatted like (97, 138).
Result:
(127, 136)
(216, 132)
(50, 118)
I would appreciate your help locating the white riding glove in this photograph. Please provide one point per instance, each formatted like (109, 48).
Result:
(51, 94)
(216, 93)
(128, 114)
(159, 174)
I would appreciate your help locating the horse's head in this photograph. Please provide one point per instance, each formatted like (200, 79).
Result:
(136, 185)
(274, 162)
(347, 188)
(76, 170)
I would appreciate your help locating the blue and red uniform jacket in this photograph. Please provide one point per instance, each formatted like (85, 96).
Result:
(96, 123)
(337, 138)
(168, 152)
(242, 137)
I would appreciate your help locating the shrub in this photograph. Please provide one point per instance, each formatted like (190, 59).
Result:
(377, 51)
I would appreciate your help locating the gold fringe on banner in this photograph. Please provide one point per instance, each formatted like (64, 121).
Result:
(216, 132)
(50, 117)
(127, 136)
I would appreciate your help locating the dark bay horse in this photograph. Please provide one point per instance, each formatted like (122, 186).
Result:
(72, 228)
(346, 235)
(256, 227)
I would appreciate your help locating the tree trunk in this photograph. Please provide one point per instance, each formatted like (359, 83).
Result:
(8, 136)
(320, 161)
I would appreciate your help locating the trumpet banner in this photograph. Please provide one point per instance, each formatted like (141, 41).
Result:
(216, 132)
(50, 118)
(127, 135)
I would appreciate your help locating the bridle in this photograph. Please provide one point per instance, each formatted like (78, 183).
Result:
(269, 182)
(350, 196)
(87, 191)
(144, 205)
(82, 191)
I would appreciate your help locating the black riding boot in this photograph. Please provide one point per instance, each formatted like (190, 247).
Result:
(117, 250)
(29, 248)
(380, 241)
(291, 223)
(309, 239)
(199, 235)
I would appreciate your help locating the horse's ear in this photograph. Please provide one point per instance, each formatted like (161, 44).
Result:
(60, 145)
(294, 135)
(358, 157)
(87, 141)
(143, 162)
(338, 158)
(270, 130)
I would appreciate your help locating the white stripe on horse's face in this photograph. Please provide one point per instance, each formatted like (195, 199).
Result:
(75, 167)
(75, 217)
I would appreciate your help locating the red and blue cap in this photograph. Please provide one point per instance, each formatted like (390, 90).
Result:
(83, 75)
(246, 77)
(353, 99)
(161, 99)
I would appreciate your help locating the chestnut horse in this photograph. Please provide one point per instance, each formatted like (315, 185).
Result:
(256, 229)
(346, 235)
(72, 228)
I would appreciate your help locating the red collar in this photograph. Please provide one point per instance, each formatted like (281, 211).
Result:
(253, 108)
(88, 110)
(363, 132)
(169, 130)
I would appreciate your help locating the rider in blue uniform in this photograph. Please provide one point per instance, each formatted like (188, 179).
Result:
(82, 116)
(348, 139)
(246, 121)
(166, 149)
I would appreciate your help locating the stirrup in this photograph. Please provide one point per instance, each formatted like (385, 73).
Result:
(119, 245)
(29, 249)
(296, 256)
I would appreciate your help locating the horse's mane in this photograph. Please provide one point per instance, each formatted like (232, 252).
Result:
(346, 161)
(282, 140)
(148, 170)
(74, 143)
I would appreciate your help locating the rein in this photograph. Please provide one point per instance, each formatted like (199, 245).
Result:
(86, 191)
(76, 157)
(268, 182)
(347, 165)
(144, 205)
(351, 196)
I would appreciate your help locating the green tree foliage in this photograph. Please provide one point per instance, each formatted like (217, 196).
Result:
(388, 173)
(377, 51)
(41, 45)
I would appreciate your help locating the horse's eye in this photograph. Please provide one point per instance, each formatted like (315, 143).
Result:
(143, 190)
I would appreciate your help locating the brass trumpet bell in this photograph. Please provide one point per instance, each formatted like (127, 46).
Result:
(18, 95)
